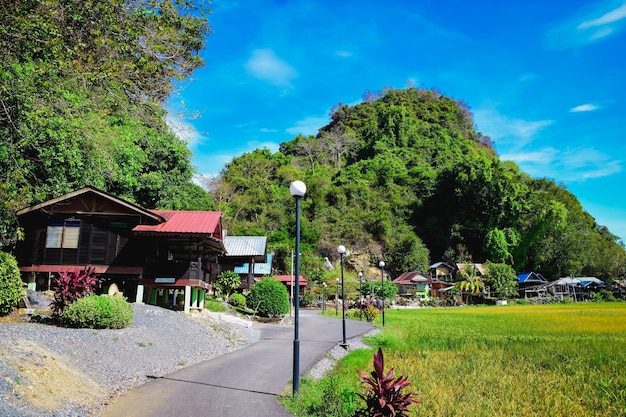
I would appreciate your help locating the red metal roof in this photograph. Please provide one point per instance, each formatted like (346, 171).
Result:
(287, 279)
(411, 278)
(181, 221)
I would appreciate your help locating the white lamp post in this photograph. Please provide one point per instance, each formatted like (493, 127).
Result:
(382, 286)
(297, 190)
(342, 251)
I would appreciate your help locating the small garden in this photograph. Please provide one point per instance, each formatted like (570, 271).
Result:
(75, 303)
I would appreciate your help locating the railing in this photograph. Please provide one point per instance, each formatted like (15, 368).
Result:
(176, 269)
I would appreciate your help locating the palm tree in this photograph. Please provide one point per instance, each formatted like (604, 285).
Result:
(471, 282)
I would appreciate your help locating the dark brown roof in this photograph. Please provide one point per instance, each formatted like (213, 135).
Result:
(91, 201)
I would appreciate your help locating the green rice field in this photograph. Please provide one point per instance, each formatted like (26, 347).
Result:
(521, 360)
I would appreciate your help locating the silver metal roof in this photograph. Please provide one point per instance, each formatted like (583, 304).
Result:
(245, 245)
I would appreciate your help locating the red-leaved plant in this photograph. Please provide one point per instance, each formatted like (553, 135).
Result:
(72, 285)
(383, 396)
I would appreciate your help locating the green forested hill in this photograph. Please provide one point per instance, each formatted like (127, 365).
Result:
(406, 176)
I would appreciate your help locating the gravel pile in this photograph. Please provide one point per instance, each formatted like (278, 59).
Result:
(40, 362)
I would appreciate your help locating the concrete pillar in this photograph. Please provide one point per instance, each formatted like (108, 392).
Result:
(32, 282)
(202, 295)
(187, 298)
(139, 297)
(154, 293)
(194, 297)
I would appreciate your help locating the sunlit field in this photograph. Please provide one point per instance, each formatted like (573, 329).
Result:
(548, 360)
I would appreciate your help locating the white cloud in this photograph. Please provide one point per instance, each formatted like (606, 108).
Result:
(343, 54)
(507, 130)
(308, 126)
(610, 17)
(184, 129)
(576, 165)
(266, 66)
(254, 144)
(597, 22)
(540, 157)
(584, 108)
(210, 164)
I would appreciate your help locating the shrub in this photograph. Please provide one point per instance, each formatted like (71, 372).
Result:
(370, 311)
(268, 297)
(238, 300)
(11, 289)
(70, 286)
(603, 295)
(308, 299)
(383, 395)
(99, 312)
(227, 282)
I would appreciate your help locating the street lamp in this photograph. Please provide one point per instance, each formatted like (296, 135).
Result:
(382, 287)
(342, 251)
(336, 296)
(324, 298)
(360, 274)
(297, 190)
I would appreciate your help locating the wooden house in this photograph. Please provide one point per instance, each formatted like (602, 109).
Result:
(289, 281)
(413, 285)
(576, 288)
(470, 268)
(532, 284)
(247, 256)
(441, 271)
(151, 255)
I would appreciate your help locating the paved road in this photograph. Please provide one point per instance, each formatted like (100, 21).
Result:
(242, 383)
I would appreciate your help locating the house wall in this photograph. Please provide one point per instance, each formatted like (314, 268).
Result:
(100, 243)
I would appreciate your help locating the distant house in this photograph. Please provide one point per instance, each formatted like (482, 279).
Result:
(525, 279)
(151, 255)
(532, 284)
(578, 288)
(442, 275)
(414, 285)
(470, 268)
(442, 271)
(289, 281)
(243, 254)
(260, 270)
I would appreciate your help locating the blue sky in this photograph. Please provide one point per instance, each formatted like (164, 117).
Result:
(545, 80)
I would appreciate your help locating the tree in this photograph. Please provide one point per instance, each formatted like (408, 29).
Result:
(374, 287)
(501, 279)
(82, 87)
(497, 247)
(227, 282)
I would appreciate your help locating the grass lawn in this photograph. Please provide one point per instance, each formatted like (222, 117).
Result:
(523, 360)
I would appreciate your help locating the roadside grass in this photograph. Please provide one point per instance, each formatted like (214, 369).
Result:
(214, 305)
(522, 360)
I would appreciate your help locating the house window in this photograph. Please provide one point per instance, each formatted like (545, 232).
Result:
(63, 235)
